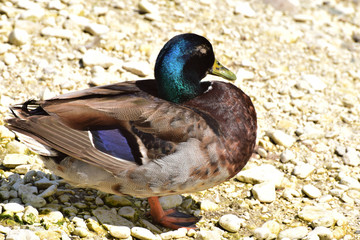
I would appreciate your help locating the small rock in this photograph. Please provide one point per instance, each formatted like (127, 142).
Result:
(311, 213)
(273, 226)
(146, 7)
(230, 222)
(243, 74)
(287, 156)
(16, 147)
(172, 201)
(340, 150)
(262, 233)
(208, 235)
(284, 5)
(352, 183)
(142, 233)
(99, 11)
(311, 191)
(33, 200)
(56, 32)
(13, 160)
(55, 5)
(10, 59)
(127, 212)
(117, 201)
(314, 81)
(119, 231)
(281, 138)
(32, 14)
(18, 37)
(245, 9)
(20, 234)
(31, 215)
(264, 192)
(326, 221)
(142, 69)
(6, 133)
(207, 205)
(351, 157)
(81, 232)
(263, 173)
(303, 170)
(322, 233)
(180, 233)
(48, 192)
(70, 211)
(108, 217)
(94, 57)
(13, 207)
(96, 29)
(53, 217)
(294, 233)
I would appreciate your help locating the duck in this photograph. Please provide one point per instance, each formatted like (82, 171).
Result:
(147, 138)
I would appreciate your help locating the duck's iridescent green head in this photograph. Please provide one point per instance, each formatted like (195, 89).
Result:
(182, 63)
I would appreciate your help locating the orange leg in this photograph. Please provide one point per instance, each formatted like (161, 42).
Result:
(170, 218)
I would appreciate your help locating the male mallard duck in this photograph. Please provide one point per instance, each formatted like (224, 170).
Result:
(147, 138)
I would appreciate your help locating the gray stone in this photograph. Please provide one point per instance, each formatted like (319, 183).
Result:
(18, 37)
(322, 233)
(311, 191)
(10, 59)
(53, 217)
(314, 81)
(81, 232)
(48, 192)
(208, 234)
(281, 138)
(351, 182)
(33, 200)
(108, 217)
(95, 57)
(147, 7)
(264, 192)
(259, 174)
(294, 233)
(117, 201)
(303, 170)
(142, 233)
(325, 221)
(230, 222)
(127, 212)
(55, 5)
(171, 201)
(262, 233)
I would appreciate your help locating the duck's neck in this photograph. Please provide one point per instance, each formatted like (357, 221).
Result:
(176, 80)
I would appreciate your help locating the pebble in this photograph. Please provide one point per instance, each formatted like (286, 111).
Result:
(171, 201)
(21, 234)
(245, 9)
(322, 233)
(13, 207)
(48, 192)
(97, 58)
(53, 217)
(127, 212)
(31, 215)
(18, 37)
(259, 174)
(108, 217)
(281, 138)
(207, 205)
(351, 157)
(81, 232)
(96, 29)
(142, 233)
(287, 156)
(311, 191)
(142, 69)
(13, 160)
(117, 201)
(56, 32)
(262, 233)
(294, 233)
(33, 200)
(10, 59)
(230, 222)
(264, 192)
(180, 233)
(303, 170)
(147, 7)
(119, 231)
(314, 81)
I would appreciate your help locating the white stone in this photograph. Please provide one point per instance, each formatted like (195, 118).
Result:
(294, 233)
(314, 81)
(322, 233)
(259, 174)
(351, 182)
(96, 29)
(142, 69)
(56, 32)
(303, 170)
(6, 133)
(21, 234)
(264, 192)
(13, 207)
(53, 217)
(262, 233)
(55, 5)
(10, 59)
(81, 232)
(31, 215)
(172, 201)
(33, 200)
(13, 160)
(230, 222)
(142, 233)
(48, 192)
(287, 156)
(127, 212)
(147, 7)
(119, 231)
(18, 37)
(108, 217)
(243, 74)
(351, 157)
(94, 57)
(311, 191)
(326, 221)
(207, 205)
(245, 9)
(281, 138)
(180, 233)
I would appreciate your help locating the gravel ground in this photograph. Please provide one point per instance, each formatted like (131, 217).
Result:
(299, 62)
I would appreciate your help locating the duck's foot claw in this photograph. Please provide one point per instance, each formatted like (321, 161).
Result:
(171, 218)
